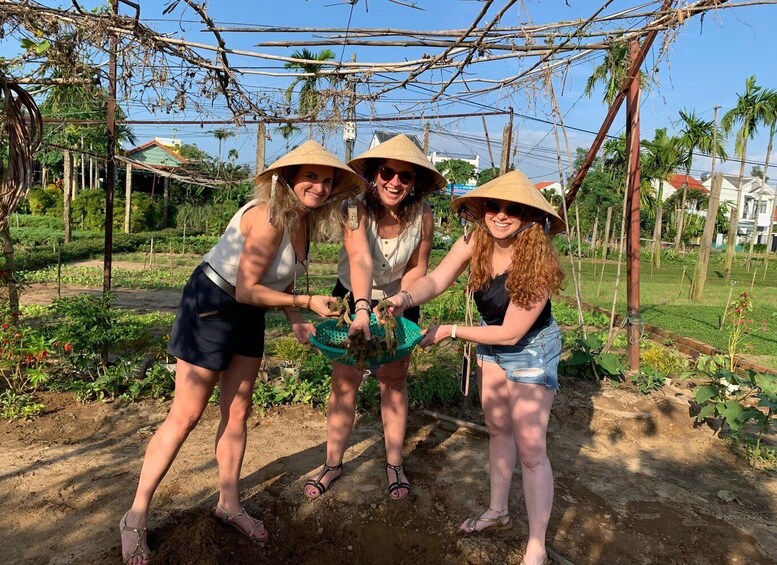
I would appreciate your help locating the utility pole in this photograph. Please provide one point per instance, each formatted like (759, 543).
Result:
(349, 127)
(507, 135)
(716, 184)
(110, 165)
(261, 140)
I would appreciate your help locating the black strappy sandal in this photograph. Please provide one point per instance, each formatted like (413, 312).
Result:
(317, 484)
(398, 484)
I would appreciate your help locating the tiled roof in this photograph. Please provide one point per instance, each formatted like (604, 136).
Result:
(678, 180)
(544, 184)
(153, 143)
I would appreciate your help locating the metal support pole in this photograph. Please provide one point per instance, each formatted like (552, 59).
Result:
(633, 326)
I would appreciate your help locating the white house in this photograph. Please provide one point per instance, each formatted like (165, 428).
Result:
(379, 137)
(749, 217)
(474, 160)
(552, 185)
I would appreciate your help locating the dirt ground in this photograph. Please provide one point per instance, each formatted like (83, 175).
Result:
(636, 482)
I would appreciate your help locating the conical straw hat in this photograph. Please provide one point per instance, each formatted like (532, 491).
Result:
(401, 148)
(513, 187)
(312, 153)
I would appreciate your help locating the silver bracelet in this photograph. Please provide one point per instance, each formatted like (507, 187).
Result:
(408, 297)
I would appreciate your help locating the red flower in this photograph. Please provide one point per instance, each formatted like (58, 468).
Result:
(68, 347)
(5, 326)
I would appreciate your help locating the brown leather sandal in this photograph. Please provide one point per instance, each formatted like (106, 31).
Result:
(139, 541)
(229, 519)
(495, 524)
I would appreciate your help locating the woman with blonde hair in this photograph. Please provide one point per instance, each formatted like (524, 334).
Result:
(387, 247)
(218, 333)
(514, 270)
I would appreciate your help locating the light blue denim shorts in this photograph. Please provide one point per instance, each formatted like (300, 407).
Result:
(533, 360)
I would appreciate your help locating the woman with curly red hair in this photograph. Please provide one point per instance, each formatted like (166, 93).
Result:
(514, 271)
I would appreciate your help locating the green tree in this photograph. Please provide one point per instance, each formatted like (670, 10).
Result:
(456, 170)
(770, 119)
(287, 131)
(695, 135)
(752, 109)
(309, 102)
(662, 157)
(612, 72)
(221, 134)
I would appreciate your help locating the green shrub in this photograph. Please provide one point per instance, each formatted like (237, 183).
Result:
(648, 379)
(663, 360)
(325, 252)
(289, 351)
(39, 201)
(15, 406)
(437, 386)
(587, 361)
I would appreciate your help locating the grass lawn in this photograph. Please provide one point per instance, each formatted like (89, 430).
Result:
(665, 303)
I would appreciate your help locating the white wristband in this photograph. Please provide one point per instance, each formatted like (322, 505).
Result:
(453, 331)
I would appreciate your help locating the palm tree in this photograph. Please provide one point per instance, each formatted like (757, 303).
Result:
(771, 121)
(612, 72)
(308, 104)
(287, 130)
(221, 134)
(696, 135)
(751, 110)
(664, 155)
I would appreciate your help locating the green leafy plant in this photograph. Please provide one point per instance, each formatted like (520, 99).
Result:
(437, 386)
(740, 326)
(24, 355)
(587, 361)
(648, 379)
(16, 406)
(663, 360)
(290, 352)
(739, 400)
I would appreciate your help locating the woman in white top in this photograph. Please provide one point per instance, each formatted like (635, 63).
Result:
(393, 234)
(218, 334)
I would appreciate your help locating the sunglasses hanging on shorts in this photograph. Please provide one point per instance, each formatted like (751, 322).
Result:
(494, 207)
(387, 174)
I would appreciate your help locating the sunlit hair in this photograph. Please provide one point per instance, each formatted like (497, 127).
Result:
(534, 273)
(424, 184)
(325, 221)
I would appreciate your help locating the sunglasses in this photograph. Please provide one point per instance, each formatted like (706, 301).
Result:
(387, 174)
(494, 207)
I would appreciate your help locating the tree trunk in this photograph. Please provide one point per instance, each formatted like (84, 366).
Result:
(702, 261)
(657, 228)
(760, 199)
(9, 276)
(734, 227)
(128, 199)
(83, 167)
(43, 174)
(681, 216)
(165, 201)
(67, 180)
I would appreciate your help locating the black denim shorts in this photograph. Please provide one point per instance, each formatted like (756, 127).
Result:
(211, 326)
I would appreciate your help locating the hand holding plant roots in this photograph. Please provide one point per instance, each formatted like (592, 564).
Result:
(343, 308)
(362, 350)
(390, 325)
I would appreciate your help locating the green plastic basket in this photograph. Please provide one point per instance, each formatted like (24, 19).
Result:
(329, 336)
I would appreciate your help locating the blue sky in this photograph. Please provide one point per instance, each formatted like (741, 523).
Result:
(706, 64)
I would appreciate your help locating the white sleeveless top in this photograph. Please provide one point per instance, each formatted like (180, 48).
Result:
(225, 256)
(389, 256)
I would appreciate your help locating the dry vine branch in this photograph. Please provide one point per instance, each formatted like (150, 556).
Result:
(21, 132)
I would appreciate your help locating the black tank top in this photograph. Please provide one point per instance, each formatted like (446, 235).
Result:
(492, 303)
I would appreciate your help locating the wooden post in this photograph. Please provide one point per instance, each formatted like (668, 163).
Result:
(731, 243)
(752, 283)
(427, 129)
(110, 166)
(261, 140)
(702, 261)
(594, 236)
(128, 199)
(67, 179)
(682, 280)
(633, 323)
(59, 269)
